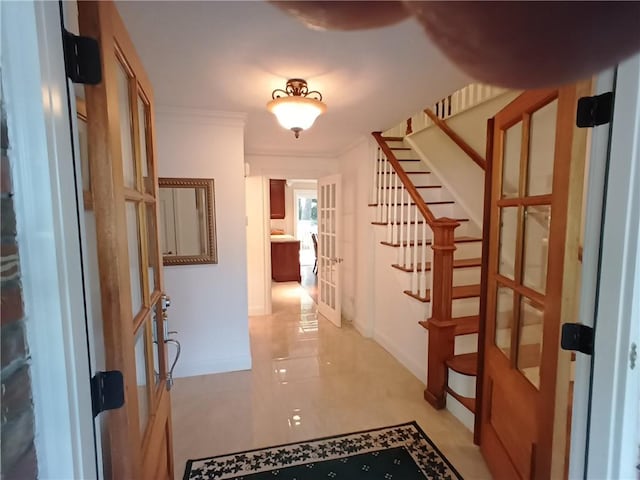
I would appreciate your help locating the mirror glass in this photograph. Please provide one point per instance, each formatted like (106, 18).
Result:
(187, 221)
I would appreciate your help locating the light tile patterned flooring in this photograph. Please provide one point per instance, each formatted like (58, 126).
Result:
(309, 380)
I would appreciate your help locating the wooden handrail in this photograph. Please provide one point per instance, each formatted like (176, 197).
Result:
(440, 324)
(466, 148)
(404, 178)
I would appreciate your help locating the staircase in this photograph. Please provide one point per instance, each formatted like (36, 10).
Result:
(439, 249)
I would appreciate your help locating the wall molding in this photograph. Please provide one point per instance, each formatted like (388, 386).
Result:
(213, 365)
(416, 368)
(202, 116)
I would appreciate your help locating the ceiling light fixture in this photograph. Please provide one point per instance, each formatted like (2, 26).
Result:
(296, 108)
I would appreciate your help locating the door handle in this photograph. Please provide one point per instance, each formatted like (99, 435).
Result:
(337, 259)
(175, 342)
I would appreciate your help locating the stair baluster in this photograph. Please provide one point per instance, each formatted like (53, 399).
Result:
(375, 198)
(401, 250)
(415, 286)
(394, 225)
(423, 273)
(389, 203)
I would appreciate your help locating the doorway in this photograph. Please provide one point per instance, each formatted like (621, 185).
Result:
(306, 231)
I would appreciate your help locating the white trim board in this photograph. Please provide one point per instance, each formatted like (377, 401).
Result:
(214, 365)
(614, 414)
(46, 202)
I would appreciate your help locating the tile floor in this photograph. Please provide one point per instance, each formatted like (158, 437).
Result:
(309, 379)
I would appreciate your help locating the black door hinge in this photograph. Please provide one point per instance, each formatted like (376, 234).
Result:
(594, 111)
(107, 391)
(577, 337)
(82, 59)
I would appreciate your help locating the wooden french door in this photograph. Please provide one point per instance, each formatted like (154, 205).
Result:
(535, 212)
(329, 260)
(124, 185)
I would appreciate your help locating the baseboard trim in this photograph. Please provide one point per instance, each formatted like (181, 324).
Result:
(419, 371)
(214, 365)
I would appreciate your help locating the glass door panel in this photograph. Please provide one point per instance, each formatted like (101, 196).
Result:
(141, 349)
(146, 161)
(537, 220)
(511, 161)
(504, 319)
(542, 150)
(530, 340)
(135, 261)
(507, 248)
(126, 127)
(152, 248)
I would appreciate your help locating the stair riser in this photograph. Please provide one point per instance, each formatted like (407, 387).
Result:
(466, 229)
(466, 276)
(464, 385)
(464, 250)
(450, 210)
(396, 144)
(410, 154)
(463, 307)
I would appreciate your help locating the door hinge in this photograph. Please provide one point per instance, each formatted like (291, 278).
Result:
(594, 111)
(107, 391)
(577, 337)
(82, 59)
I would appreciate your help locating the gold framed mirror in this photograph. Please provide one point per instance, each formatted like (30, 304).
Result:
(187, 221)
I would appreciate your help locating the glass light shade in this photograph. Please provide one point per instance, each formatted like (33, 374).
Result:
(296, 112)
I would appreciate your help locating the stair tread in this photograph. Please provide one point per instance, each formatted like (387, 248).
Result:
(392, 139)
(399, 148)
(463, 325)
(428, 242)
(416, 186)
(405, 160)
(409, 172)
(420, 222)
(465, 364)
(461, 263)
(431, 202)
(459, 292)
(468, 402)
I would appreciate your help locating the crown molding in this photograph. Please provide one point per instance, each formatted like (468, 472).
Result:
(288, 154)
(202, 116)
(350, 146)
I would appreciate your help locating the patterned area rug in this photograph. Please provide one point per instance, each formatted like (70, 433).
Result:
(401, 452)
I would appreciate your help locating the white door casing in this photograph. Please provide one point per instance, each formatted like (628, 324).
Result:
(329, 260)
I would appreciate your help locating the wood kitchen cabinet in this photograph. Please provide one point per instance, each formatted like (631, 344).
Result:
(276, 197)
(285, 259)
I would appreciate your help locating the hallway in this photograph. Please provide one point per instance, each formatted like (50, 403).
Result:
(309, 380)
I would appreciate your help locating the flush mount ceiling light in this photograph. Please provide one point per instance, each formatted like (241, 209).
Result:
(296, 108)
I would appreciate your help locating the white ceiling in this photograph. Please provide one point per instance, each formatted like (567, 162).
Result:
(229, 56)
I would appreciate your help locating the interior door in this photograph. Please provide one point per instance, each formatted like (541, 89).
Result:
(124, 196)
(533, 268)
(329, 260)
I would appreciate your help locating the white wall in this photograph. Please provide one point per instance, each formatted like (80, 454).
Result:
(457, 172)
(357, 244)
(258, 253)
(298, 167)
(209, 302)
(372, 296)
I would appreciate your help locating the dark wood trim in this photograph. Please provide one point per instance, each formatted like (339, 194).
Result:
(441, 336)
(486, 222)
(457, 139)
(420, 203)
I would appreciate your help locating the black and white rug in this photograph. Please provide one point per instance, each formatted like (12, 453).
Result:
(400, 452)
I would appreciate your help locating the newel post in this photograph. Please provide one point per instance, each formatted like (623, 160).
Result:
(441, 326)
